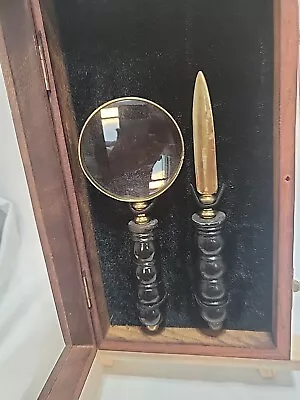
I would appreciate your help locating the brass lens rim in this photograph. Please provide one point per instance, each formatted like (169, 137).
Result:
(110, 194)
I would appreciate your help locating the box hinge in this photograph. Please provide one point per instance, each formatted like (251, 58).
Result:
(296, 286)
(86, 290)
(41, 51)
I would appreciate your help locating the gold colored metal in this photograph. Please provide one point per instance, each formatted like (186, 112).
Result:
(207, 199)
(296, 286)
(112, 195)
(41, 51)
(153, 328)
(86, 290)
(208, 213)
(141, 219)
(140, 206)
(204, 139)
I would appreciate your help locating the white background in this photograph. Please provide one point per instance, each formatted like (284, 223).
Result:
(30, 336)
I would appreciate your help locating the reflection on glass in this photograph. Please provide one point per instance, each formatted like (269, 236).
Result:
(110, 125)
(131, 149)
(160, 173)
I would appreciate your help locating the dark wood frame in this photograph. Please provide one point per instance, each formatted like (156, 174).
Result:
(46, 130)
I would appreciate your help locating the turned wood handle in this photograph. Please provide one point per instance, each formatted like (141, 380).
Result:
(210, 291)
(150, 289)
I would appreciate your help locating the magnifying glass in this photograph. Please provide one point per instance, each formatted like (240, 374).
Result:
(132, 150)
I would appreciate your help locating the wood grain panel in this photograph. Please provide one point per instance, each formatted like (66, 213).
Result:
(285, 66)
(37, 142)
(69, 374)
(239, 339)
(241, 344)
(75, 182)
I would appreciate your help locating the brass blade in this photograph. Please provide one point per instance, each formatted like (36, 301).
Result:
(204, 139)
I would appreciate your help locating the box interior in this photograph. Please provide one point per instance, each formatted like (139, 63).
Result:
(154, 49)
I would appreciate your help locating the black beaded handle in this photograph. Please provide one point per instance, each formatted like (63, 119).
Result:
(210, 290)
(210, 293)
(150, 289)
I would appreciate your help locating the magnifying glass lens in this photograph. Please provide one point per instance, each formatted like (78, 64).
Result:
(131, 149)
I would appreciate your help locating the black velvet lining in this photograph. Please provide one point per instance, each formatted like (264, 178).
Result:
(153, 49)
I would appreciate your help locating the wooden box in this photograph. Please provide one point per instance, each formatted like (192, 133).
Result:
(57, 71)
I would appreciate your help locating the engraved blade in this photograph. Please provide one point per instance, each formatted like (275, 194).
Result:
(204, 139)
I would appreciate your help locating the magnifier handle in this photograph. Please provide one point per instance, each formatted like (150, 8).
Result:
(211, 294)
(150, 289)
